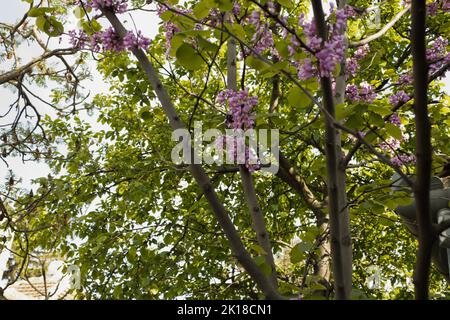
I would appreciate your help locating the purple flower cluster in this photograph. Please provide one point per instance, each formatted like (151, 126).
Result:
(240, 117)
(132, 41)
(437, 54)
(330, 55)
(330, 52)
(240, 106)
(399, 97)
(236, 8)
(434, 7)
(401, 160)
(392, 144)
(263, 37)
(352, 64)
(294, 44)
(109, 40)
(170, 28)
(350, 12)
(395, 119)
(79, 40)
(306, 69)
(365, 93)
(117, 6)
(239, 153)
(405, 79)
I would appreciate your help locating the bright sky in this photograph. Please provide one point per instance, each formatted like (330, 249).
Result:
(13, 11)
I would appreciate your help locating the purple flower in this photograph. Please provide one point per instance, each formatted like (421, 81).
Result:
(78, 40)
(395, 119)
(437, 55)
(131, 41)
(118, 6)
(240, 116)
(341, 20)
(405, 79)
(111, 41)
(306, 70)
(240, 106)
(330, 52)
(170, 30)
(365, 93)
(330, 55)
(352, 92)
(400, 160)
(236, 8)
(399, 97)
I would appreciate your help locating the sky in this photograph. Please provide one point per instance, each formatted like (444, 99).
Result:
(12, 11)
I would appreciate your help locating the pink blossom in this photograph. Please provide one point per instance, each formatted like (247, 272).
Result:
(403, 159)
(118, 6)
(78, 39)
(365, 93)
(306, 70)
(399, 97)
(405, 79)
(240, 116)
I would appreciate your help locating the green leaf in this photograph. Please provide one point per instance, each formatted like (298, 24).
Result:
(224, 5)
(382, 111)
(256, 63)
(261, 262)
(53, 27)
(342, 111)
(40, 22)
(206, 45)
(237, 30)
(298, 252)
(201, 9)
(175, 43)
(78, 12)
(37, 12)
(394, 131)
(166, 15)
(145, 113)
(188, 57)
(297, 98)
(286, 3)
(258, 249)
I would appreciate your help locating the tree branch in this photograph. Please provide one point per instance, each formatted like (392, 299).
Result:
(423, 150)
(341, 283)
(198, 172)
(254, 208)
(383, 30)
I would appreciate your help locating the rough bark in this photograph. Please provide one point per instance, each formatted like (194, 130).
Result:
(344, 216)
(423, 150)
(335, 183)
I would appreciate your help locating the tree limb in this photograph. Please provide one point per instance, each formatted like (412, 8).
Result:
(383, 30)
(254, 208)
(198, 172)
(341, 283)
(423, 150)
